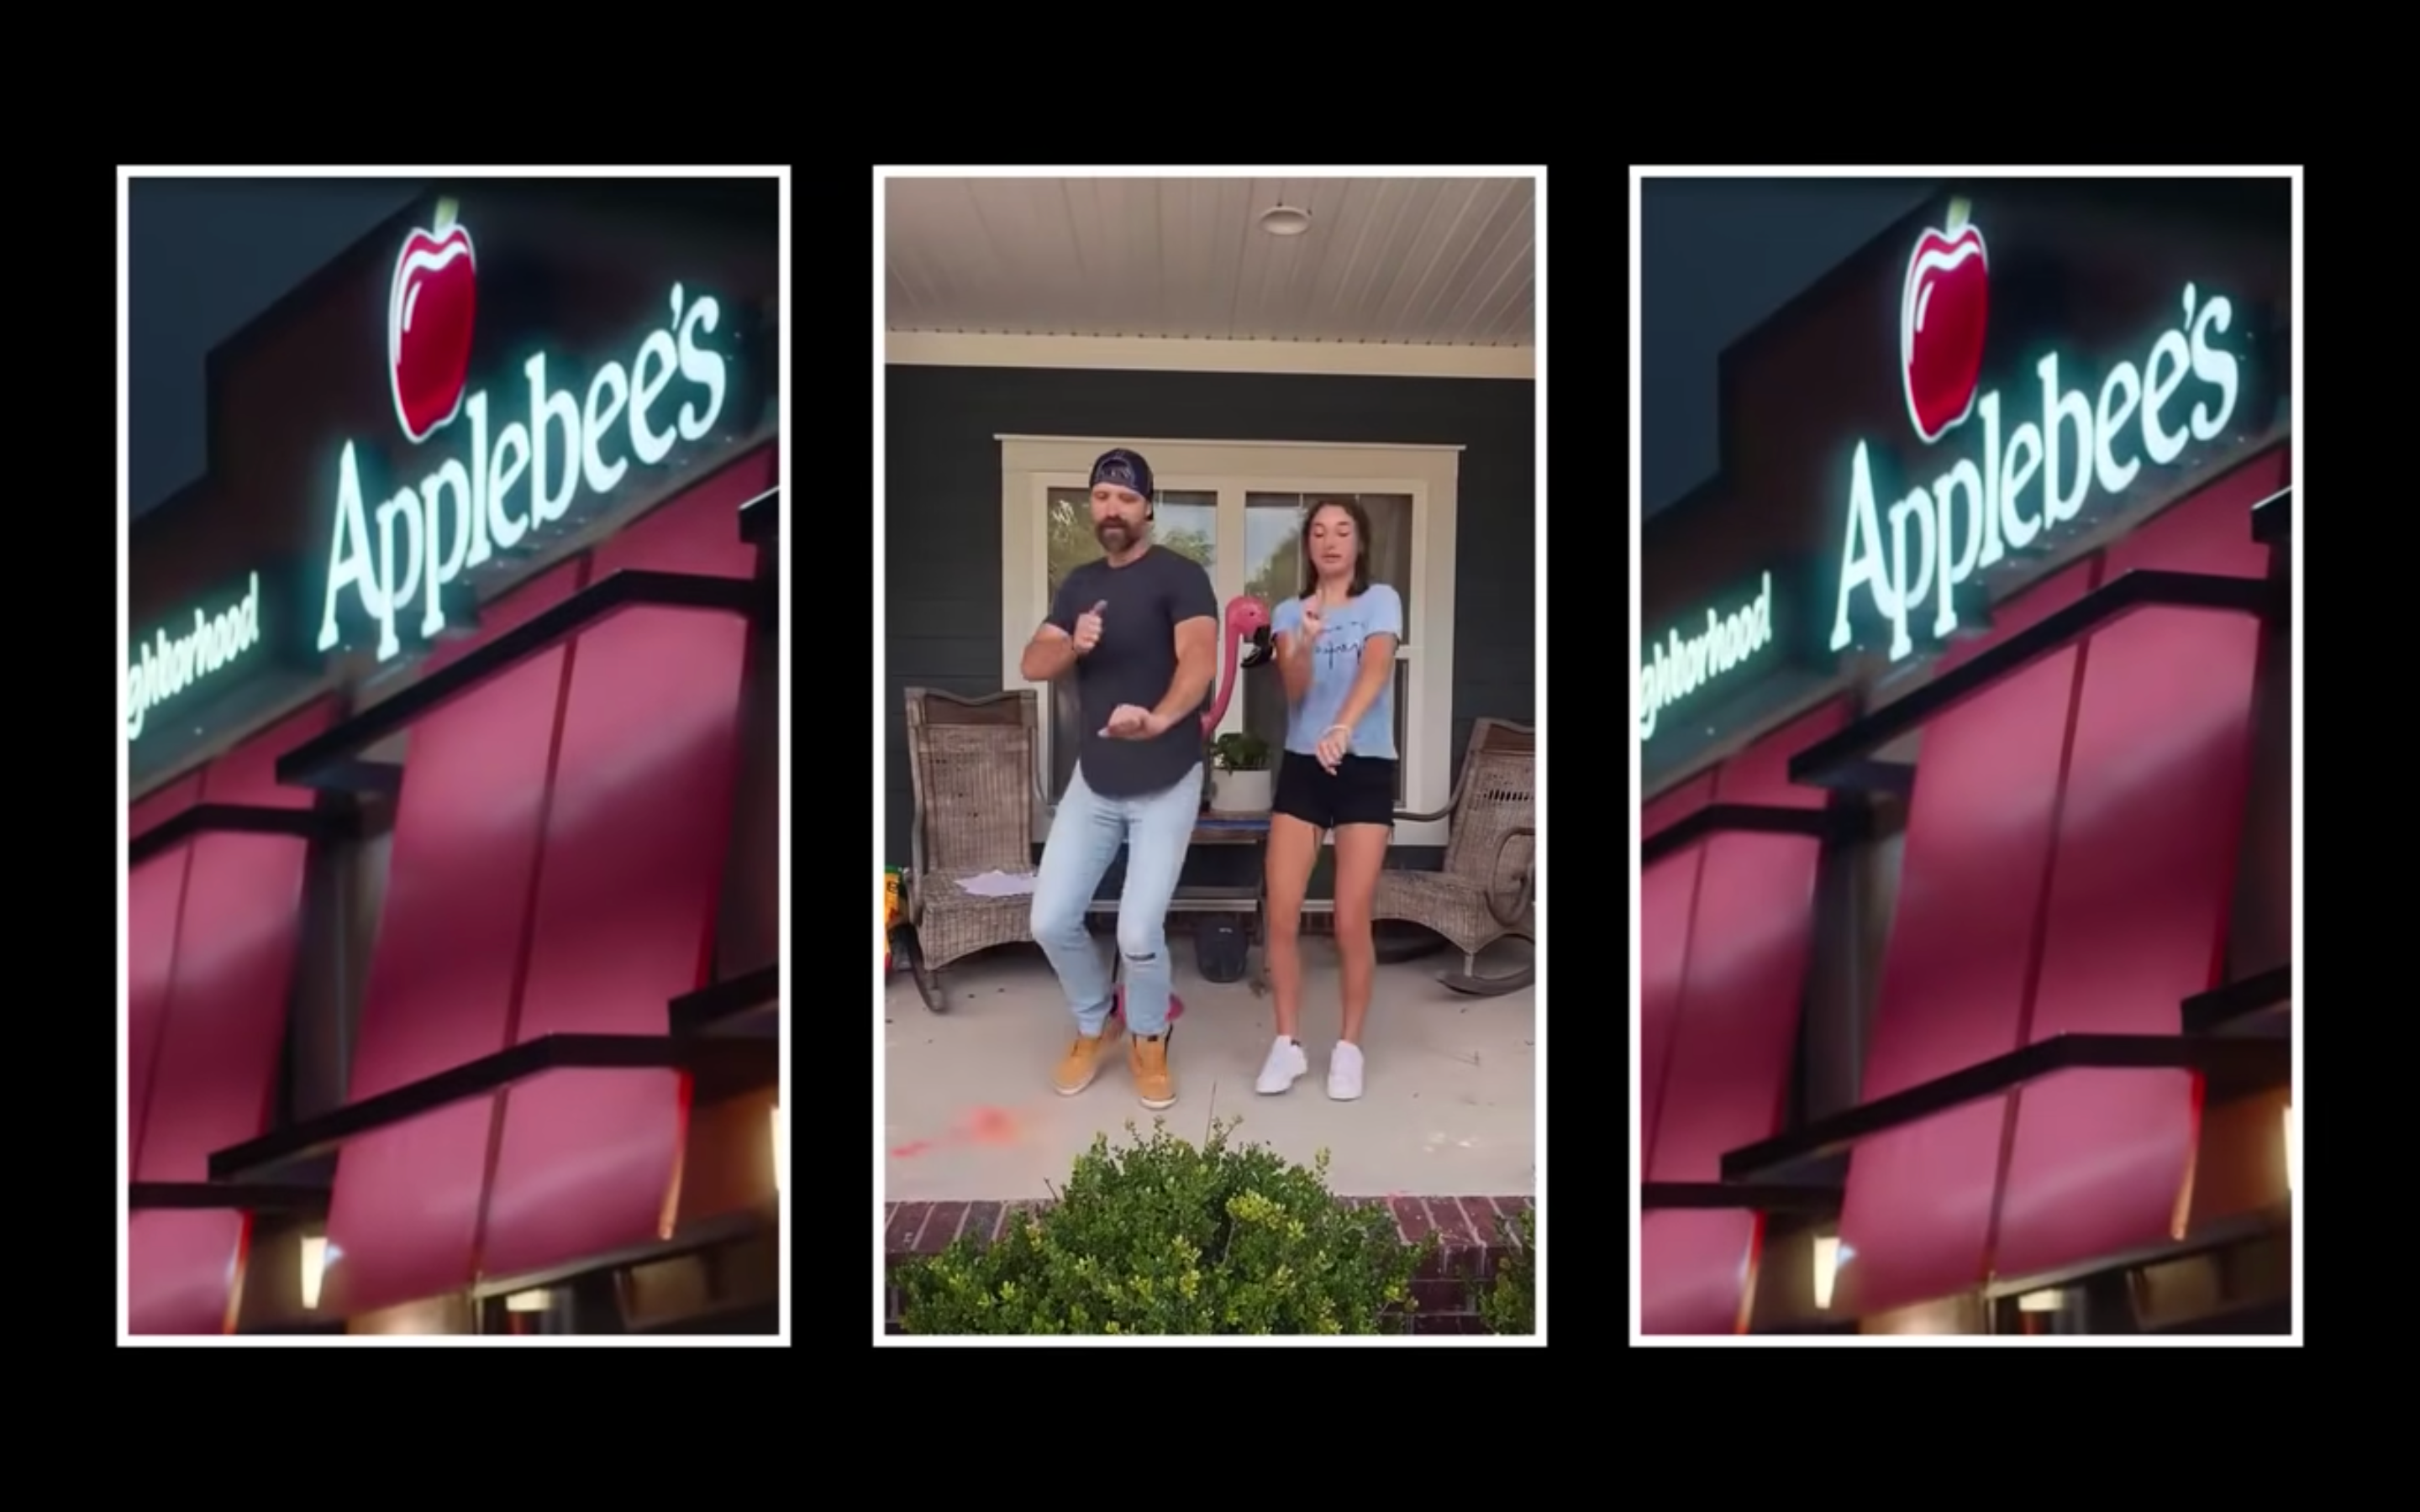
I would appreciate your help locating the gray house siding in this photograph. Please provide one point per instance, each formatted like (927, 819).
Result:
(941, 515)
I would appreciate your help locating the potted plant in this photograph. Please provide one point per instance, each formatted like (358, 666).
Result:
(1241, 784)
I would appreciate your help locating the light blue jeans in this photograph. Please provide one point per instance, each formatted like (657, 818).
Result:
(1154, 828)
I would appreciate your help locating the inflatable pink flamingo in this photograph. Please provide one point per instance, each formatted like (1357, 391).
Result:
(1247, 623)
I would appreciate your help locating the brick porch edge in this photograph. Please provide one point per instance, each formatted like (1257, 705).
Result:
(1469, 1243)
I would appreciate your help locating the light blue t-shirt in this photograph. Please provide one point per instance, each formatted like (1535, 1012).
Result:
(1335, 662)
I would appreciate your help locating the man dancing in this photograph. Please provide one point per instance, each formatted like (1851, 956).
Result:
(1138, 631)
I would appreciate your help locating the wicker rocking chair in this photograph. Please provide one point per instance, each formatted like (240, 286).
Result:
(1482, 893)
(972, 763)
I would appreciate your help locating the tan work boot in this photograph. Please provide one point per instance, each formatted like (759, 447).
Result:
(1148, 1060)
(1082, 1061)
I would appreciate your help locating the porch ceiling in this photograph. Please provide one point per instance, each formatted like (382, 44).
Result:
(1416, 261)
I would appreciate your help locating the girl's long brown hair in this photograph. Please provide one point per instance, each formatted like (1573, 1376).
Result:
(1360, 518)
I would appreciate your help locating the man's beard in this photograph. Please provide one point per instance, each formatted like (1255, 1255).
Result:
(1114, 534)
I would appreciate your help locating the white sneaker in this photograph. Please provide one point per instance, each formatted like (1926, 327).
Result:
(1344, 1072)
(1285, 1063)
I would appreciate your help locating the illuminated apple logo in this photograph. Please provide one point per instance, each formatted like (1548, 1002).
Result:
(1943, 311)
(431, 310)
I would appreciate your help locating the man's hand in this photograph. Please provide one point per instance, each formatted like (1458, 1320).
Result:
(1088, 628)
(1312, 623)
(1132, 722)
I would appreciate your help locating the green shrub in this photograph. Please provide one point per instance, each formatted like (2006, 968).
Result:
(1159, 1237)
(1508, 1304)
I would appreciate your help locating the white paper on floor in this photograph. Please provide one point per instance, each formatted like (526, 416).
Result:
(999, 884)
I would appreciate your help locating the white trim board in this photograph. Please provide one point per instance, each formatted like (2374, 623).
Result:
(1163, 354)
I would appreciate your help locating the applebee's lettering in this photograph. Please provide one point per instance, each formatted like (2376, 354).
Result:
(1924, 546)
(167, 664)
(411, 546)
(1679, 665)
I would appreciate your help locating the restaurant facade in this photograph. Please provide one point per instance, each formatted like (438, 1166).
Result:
(1964, 700)
(452, 988)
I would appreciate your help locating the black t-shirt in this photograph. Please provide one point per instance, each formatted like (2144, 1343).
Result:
(1147, 599)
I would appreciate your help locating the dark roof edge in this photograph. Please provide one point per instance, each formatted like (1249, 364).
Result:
(375, 242)
(1856, 266)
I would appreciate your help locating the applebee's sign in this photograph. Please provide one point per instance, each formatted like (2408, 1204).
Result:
(530, 450)
(1907, 561)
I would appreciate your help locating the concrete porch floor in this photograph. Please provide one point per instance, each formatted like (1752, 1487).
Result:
(1447, 1109)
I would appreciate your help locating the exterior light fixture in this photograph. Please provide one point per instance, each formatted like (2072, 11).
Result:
(1285, 221)
(2290, 1149)
(2041, 1301)
(314, 1265)
(528, 1301)
(1827, 1265)
(777, 1147)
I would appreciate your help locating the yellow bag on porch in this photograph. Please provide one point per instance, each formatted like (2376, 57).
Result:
(890, 906)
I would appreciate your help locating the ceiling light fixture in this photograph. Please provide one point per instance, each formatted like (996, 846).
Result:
(1285, 221)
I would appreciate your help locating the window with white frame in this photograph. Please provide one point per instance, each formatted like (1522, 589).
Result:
(1237, 507)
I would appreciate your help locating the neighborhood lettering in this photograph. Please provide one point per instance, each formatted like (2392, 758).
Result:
(1679, 665)
(173, 661)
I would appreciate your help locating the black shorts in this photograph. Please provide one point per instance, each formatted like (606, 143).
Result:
(1361, 791)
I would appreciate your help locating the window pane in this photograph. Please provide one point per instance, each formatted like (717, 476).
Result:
(1064, 737)
(1264, 707)
(1390, 547)
(1265, 714)
(1272, 547)
(1069, 538)
(1402, 723)
(1187, 523)
(1273, 543)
